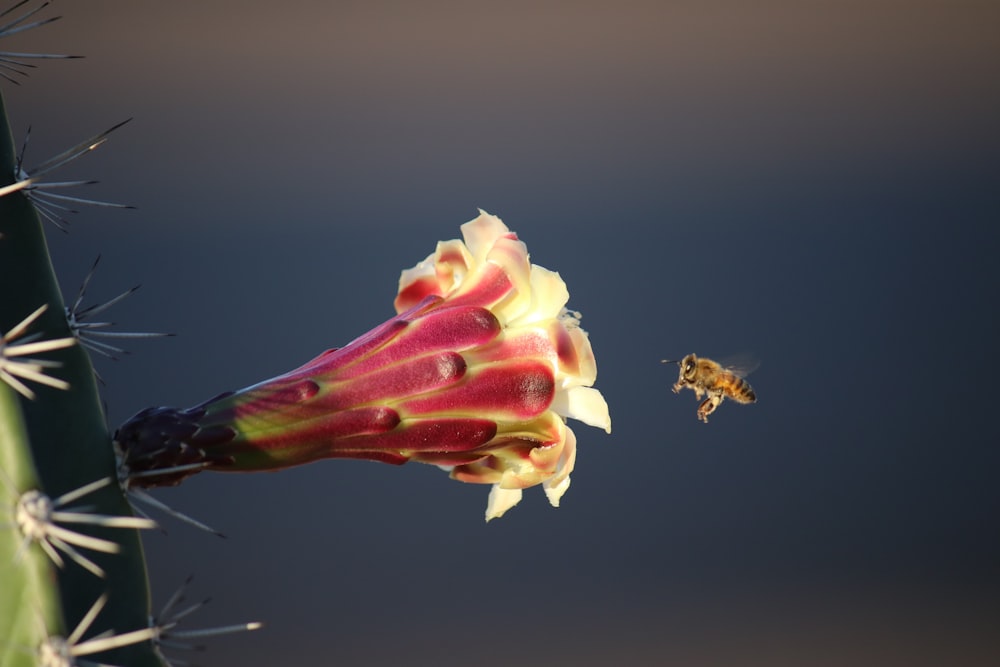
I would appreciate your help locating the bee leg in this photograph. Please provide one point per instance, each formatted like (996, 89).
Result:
(677, 387)
(708, 406)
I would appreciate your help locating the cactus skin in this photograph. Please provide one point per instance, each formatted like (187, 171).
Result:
(60, 442)
(27, 595)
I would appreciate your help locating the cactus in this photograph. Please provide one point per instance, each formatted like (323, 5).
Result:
(476, 374)
(71, 562)
(55, 442)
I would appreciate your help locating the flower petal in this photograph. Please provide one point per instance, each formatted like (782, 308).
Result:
(548, 296)
(580, 366)
(585, 404)
(515, 390)
(440, 274)
(500, 501)
(511, 256)
(481, 234)
(557, 485)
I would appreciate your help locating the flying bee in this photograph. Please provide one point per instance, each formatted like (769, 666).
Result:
(707, 377)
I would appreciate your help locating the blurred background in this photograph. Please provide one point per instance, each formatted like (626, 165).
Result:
(811, 183)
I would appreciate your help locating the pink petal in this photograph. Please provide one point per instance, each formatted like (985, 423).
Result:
(519, 389)
(430, 435)
(410, 378)
(481, 233)
(445, 328)
(263, 444)
(516, 343)
(487, 287)
(367, 343)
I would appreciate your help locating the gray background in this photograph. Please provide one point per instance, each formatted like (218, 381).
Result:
(814, 183)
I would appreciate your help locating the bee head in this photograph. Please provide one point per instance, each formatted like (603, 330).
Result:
(689, 367)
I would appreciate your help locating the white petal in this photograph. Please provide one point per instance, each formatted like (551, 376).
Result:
(511, 255)
(548, 296)
(555, 492)
(424, 268)
(452, 262)
(557, 485)
(586, 373)
(585, 404)
(480, 234)
(501, 500)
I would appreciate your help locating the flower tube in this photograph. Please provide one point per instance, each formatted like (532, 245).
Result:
(476, 374)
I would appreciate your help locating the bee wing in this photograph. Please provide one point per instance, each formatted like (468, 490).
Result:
(740, 365)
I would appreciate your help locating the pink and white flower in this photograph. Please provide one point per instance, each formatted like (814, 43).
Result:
(476, 374)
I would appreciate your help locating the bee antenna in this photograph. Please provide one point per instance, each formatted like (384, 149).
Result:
(670, 361)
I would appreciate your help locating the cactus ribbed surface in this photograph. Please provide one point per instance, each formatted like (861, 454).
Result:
(57, 442)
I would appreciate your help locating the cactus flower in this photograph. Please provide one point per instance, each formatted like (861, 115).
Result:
(476, 374)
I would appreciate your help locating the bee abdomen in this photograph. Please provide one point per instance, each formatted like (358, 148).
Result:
(743, 392)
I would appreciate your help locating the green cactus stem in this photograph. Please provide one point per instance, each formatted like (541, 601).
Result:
(57, 443)
(30, 604)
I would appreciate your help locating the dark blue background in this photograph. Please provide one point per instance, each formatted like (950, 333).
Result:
(811, 183)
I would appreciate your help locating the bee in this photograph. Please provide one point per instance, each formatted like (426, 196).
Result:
(707, 377)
